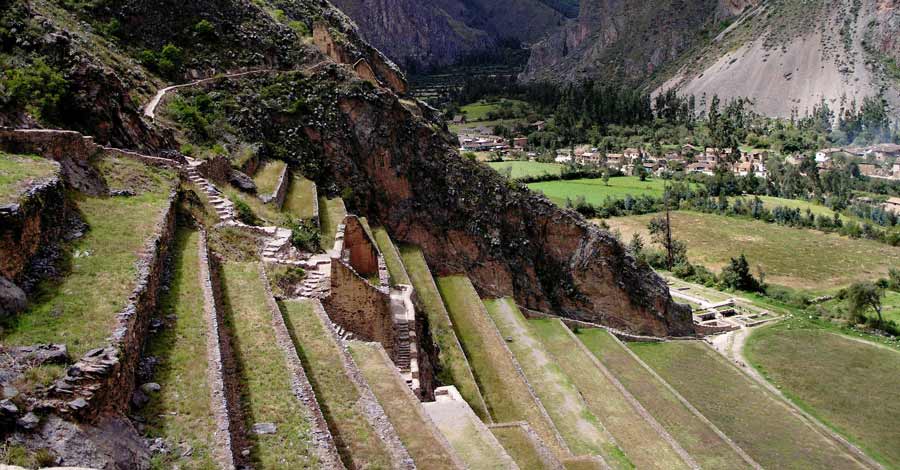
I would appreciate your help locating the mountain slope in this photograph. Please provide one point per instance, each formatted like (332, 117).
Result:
(424, 34)
(788, 56)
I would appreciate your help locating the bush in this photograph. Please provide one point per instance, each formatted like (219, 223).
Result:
(37, 87)
(245, 213)
(204, 28)
(305, 236)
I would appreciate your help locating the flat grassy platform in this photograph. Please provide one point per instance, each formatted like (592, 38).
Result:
(18, 172)
(848, 384)
(523, 449)
(694, 436)
(356, 440)
(469, 437)
(265, 380)
(416, 430)
(595, 191)
(454, 365)
(80, 309)
(331, 214)
(584, 433)
(764, 426)
(644, 446)
(300, 202)
(505, 392)
(266, 178)
(180, 413)
(520, 169)
(391, 256)
(790, 257)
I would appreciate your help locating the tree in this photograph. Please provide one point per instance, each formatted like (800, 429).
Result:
(737, 275)
(636, 246)
(606, 178)
(863, 296)
(661, 233)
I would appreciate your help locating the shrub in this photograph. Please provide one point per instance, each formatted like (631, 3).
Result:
(37, 87)
(305, 236)
(245, 213)
(204, 28)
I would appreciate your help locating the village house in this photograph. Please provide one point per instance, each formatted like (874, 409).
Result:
(883, 152)
(520, 142)
(892, 205)
(481, 143)
(868, 169)
(615, 160)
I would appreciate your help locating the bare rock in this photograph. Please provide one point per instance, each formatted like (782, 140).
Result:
(150, 388)
(242, 181)
(12, 298)
(29, 421)
(264, 428)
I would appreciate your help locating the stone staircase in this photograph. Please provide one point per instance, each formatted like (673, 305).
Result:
(406, 356)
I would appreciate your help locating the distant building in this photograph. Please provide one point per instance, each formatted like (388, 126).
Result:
(868, 169)
(892, 205)
(520, 142)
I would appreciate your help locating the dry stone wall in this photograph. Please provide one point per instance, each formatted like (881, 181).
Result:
(359, 307)
(361, 251)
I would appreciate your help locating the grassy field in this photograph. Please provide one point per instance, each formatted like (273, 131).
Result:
(762, 425)
(520, 169)
(17, 172)
(510, 123)
(696, 437)
(300, 202)
(522, 448)
(644, 446)
(479, 111)
(401, 407)
(595, 192)
(265, 380)
(391, 257)
(798, 258)
(266, 178)
(846, 383)
(102, 263)
(180, 413)
(331, 214)
(576, 422)
(505, 392)
(470, 439)
(454, 365)
(356, 440)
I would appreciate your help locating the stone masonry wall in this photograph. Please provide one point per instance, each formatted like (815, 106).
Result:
(35, 221)
(281, 188)
(103, 379)
(362, 250)
(359, 307)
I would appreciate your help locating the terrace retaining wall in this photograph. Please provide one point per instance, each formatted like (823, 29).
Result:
(359, 307)
(103, 380)
(281, 188)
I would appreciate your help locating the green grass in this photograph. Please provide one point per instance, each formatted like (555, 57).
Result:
(300, 202)
(595, 192)
(643, 445)
(470, 439)
(797, 258)
(523, 168)
(266, 178)
(564, 402)
(849, 385)
(759, 423)
(521, 447)
(80, 309)
(180, 413)
(265, 380)
(391, 257)
(479, 111)
(331, 214)
(505, 392)
(402, 408)
(454, 367)
(18, 172)
(356, 440)
(694, 436)
(510, 123)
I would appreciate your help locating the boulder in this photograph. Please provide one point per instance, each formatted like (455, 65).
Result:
(12, 298)
(264, 428)
(242, 181)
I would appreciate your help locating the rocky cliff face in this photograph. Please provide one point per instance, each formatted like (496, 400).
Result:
(625, 39)
(425, 34)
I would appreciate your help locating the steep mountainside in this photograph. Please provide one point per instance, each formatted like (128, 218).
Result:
(789, 56)
(424, 34)
(625, 39)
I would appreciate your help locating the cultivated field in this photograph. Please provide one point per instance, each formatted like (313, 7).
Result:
(520, 169)
(595, 191)
(849, 384)
(479, 111)
(454, 365)
(764, 426)
(799, 258)
(693, 434)
(578, 425)
(505, 391)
